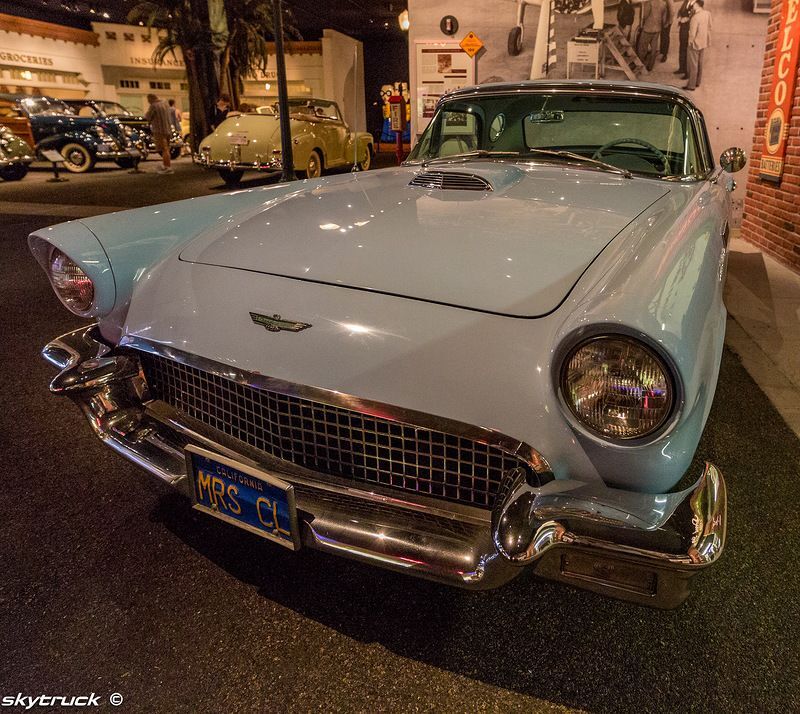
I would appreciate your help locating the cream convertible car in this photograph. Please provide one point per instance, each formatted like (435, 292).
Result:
(501, 354)
(252, 141)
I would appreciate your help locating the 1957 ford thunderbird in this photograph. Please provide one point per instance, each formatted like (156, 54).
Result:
(499, 355)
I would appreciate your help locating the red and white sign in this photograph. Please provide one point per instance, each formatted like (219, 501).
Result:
(782, 93)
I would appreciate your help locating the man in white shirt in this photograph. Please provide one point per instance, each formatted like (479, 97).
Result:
(699, 40)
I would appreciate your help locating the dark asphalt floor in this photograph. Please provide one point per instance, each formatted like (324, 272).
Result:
(110, 583)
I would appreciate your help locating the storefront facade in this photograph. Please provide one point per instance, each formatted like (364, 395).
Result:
(114, 62)
(42, 58)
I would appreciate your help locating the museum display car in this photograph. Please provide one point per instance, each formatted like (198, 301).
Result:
(500, 354)
(251, 141)
(135, 126)
(15, 155)
(82, 141)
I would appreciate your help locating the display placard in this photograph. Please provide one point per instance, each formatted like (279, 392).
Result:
(53, 155)
(441, 67)
(781, 95)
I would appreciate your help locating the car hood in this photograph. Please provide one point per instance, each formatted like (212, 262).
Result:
(516, 250)
(64, 120)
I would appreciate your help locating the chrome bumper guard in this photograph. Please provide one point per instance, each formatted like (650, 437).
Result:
(270, 164)
(595, 538)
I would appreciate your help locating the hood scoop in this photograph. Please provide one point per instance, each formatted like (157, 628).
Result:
(451, 181)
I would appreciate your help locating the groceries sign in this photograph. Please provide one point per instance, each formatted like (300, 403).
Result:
(782, 94)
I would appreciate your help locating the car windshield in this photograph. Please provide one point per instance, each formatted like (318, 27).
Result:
(43, 106)
(650, 136)
(113, 108)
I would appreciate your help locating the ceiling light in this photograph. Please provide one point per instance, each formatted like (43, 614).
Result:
(402, 18)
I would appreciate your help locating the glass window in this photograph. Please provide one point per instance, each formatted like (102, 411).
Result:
(44, 106)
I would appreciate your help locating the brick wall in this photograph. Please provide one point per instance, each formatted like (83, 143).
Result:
(772, 212)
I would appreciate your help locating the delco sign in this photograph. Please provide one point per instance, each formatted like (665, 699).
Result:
(782, 93)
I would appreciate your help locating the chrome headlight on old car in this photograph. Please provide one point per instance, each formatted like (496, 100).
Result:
(74, 287)
(617, 387)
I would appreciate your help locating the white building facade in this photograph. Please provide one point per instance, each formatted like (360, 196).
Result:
(114, 62)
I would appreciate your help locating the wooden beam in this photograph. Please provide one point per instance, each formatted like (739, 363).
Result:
(297, 48)
(49, 30)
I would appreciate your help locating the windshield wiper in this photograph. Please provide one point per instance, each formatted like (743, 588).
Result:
(560, 153)
(467, 155)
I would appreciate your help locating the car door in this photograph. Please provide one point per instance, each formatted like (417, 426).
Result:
(16, 121)
(335, 131)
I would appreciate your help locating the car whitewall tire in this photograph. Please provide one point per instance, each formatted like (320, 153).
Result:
(314, 165)
(367, 162)
(77, 158)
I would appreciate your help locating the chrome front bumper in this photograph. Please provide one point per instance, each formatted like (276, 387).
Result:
(591, 537)
(234, 163)
(101, 155)
(11, 160)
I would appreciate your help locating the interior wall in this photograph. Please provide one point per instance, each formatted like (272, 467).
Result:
(343, 71)
(771, 216)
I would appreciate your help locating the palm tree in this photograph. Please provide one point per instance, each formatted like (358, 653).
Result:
(220, 47)
(185, 25)
(250, 26)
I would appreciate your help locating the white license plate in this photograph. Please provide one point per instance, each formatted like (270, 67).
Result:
(238, 139)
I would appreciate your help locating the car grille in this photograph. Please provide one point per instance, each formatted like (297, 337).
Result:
(333, 440)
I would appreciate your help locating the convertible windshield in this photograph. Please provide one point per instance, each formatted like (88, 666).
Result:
(651, 136)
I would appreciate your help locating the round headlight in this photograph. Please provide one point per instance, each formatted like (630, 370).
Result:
(73, 286)
(617, 387)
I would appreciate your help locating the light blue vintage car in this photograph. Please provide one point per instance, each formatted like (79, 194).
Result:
(499, 355)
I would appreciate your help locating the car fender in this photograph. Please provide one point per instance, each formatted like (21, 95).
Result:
(661, 281)
(135, 242)
(56, 141)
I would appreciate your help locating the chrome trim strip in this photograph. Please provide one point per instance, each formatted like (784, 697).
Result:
(511, 446)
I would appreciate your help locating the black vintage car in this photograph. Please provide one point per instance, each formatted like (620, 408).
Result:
(82, 141)
(134, 124)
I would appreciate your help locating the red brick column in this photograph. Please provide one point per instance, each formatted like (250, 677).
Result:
(772, 212)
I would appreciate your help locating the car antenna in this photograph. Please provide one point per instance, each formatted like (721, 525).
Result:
(355, 108)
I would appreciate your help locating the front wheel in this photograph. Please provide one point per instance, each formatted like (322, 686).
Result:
(313, 165)
(77, 158)
(174, 152)
(367, 162)
(14, 172)
(230, 177)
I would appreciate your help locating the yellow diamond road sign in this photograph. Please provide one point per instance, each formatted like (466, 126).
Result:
(471, 44)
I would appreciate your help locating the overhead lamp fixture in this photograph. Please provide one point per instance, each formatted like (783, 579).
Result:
(402, 18)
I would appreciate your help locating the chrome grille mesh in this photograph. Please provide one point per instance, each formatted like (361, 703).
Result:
(450, 181)
(332, 440)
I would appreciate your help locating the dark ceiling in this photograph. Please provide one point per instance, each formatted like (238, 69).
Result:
(363, 19)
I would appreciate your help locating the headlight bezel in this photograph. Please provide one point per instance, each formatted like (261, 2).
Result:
(586, 336)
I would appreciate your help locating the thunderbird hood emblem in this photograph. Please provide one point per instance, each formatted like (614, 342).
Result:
(277, 324)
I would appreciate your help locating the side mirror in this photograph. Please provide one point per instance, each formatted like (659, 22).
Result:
(733, 160)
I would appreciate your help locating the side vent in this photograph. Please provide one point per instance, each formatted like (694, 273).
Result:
(450, 181)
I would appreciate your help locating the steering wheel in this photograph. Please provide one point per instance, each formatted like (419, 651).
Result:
(641, 142)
